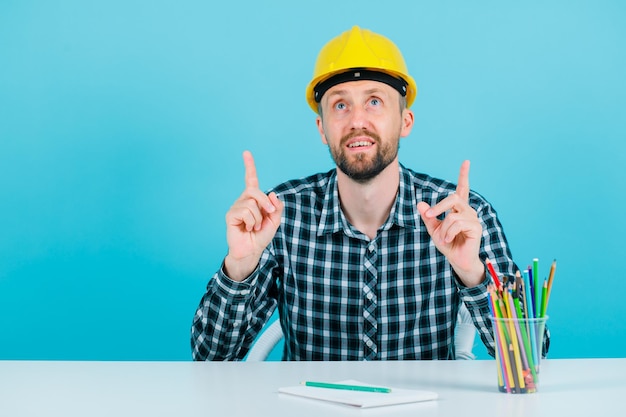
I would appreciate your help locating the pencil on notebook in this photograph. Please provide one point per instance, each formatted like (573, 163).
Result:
(329, 385)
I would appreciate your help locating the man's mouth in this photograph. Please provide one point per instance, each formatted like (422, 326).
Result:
(360, 144)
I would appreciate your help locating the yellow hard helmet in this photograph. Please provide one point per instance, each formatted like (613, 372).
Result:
(359, 54)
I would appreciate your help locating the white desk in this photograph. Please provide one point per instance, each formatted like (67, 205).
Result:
(585, 387)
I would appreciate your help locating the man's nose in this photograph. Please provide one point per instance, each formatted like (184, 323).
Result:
(358, 118)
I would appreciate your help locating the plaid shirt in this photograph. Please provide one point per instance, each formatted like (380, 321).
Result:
(343, 296)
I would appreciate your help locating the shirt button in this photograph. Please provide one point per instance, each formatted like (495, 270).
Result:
(369, 296)
(235, 325)
(369, 343)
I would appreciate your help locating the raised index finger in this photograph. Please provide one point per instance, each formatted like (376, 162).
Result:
(462, 187)
(251, 177)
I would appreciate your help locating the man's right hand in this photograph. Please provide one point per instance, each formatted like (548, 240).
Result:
(251, 224)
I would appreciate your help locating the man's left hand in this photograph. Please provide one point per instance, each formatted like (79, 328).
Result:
(459, 234)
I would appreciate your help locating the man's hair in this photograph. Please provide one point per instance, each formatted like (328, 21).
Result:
(402, 103)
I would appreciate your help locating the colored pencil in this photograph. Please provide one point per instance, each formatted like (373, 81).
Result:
(530, 315)
(365, 388)
(518, 329)
(526, 339)
(516, 362)
(550, 280)
(493, 273)
(537, 287)
(544, 298)
(530, 291)
(516, 373)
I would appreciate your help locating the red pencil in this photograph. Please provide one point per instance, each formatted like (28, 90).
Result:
(493, 273)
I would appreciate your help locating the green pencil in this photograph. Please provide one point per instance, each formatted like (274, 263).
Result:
(544, 298)
(365, 388)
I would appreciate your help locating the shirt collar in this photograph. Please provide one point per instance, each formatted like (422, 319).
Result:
(403, 213)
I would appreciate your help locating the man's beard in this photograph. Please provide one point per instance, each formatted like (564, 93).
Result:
(363, 170)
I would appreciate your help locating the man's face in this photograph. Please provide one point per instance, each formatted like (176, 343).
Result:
(362, 124)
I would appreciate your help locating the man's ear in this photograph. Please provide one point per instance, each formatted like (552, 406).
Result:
(320, 129)
(408, 118)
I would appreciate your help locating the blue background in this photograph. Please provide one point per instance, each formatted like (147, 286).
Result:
(122, 125)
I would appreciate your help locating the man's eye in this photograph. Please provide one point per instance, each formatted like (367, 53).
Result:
(340, 106)
(375, 102)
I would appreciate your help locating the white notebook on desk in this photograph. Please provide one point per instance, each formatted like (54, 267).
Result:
(359, 398)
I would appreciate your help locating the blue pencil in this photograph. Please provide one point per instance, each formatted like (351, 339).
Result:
(530, 315)
(530, 289)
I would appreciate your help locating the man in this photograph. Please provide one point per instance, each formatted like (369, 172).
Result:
(368, 261)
